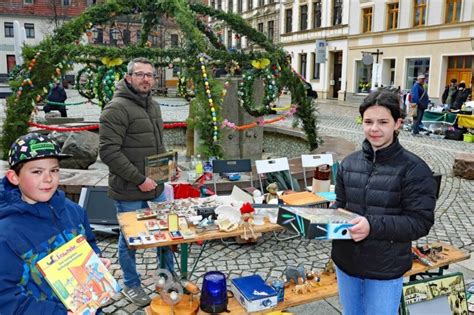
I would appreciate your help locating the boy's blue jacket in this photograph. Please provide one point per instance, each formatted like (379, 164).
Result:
(29, 232)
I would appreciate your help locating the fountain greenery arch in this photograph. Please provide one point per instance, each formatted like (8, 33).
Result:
(57, 53)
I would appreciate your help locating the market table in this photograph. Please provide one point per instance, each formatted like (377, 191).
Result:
(327, 286)
(439, 117)
(130, 226)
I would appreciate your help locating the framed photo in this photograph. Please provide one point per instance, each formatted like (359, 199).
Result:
(438, 295)
(161, 167)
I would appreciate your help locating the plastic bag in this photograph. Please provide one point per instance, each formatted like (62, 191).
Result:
(185, 191)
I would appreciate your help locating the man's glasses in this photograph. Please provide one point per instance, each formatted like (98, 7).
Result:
(142, 75)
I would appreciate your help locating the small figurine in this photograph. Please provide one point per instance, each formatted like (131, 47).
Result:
(295, 274)
(272, 193)
(247, 212)
(302, 288)
(329, 268)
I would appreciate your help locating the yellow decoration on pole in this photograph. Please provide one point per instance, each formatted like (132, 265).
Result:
(111, 62)
(260, 63)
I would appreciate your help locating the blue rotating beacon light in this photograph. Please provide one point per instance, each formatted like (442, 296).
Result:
(214, 293)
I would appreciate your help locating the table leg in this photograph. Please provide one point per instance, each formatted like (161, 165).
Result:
(184, 260)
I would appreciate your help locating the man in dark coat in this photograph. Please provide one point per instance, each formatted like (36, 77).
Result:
(131, 129)
(56, 95)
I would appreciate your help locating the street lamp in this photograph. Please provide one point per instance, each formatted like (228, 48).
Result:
(115, 33)
(95, 33)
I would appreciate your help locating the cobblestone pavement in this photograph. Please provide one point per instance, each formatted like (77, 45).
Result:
(268, 257)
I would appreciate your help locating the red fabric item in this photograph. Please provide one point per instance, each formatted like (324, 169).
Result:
(185, 191)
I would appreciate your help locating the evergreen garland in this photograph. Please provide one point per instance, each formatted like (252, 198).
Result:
(245, 91)
(55, 55)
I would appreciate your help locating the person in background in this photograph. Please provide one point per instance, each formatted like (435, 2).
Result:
(56, 95)
(131, 129)
(419, 96)
(462, 96)
(394, 193)
(449, 93)
(35, 219)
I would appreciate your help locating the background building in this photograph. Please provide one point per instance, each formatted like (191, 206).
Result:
(308, 23)
(411, 37)
(38, 17)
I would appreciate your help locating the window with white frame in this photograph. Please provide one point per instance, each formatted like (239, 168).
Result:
(415, 67)
(303, 17)
(316, 67)
(453, 11)
(8, 29)
(317, 14)
(367, 20)
(288, 20)
(337, 12)
(66, 2)
(240, 6)
(28, 1)
(30, 30)
(303, 63)
(392, 16)
(363, 77)
(419, 10)
(271, 30)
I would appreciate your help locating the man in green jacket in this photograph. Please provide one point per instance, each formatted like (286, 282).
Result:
(131, 129)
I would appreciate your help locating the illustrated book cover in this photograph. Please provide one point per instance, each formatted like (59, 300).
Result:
(316, 223)
(78, 277)
(161, 167)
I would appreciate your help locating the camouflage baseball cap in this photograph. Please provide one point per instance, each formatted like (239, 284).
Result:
(34, 146)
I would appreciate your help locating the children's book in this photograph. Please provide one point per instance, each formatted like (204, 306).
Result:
(161, 167)
(78, 277)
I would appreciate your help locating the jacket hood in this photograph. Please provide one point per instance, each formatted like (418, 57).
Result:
(124, 90)
(383, 154)
(11, 203)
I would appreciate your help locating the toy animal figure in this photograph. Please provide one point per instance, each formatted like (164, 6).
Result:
(295, 274)
(329, 268)
(302, 288)
(272, 192)
(313, 277)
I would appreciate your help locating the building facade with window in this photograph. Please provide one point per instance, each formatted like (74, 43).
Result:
(391, 42)
(38, 18)
(306, 24)
(262, 15)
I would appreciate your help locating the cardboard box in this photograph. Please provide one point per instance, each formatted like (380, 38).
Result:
(316, 223)
(253, 293)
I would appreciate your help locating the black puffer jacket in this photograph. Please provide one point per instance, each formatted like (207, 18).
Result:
(131, 128)
(395, 190)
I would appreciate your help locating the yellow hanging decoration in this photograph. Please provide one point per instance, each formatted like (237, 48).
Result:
(260, 63)
(109, 62)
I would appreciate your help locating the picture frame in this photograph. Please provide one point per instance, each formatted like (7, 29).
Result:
(441, 295)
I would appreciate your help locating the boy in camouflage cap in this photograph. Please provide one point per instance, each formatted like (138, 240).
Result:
(35, 219)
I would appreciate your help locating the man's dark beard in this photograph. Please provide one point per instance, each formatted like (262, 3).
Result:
(135, 91)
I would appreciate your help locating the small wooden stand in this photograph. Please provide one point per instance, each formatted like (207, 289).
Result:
(187, 306)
